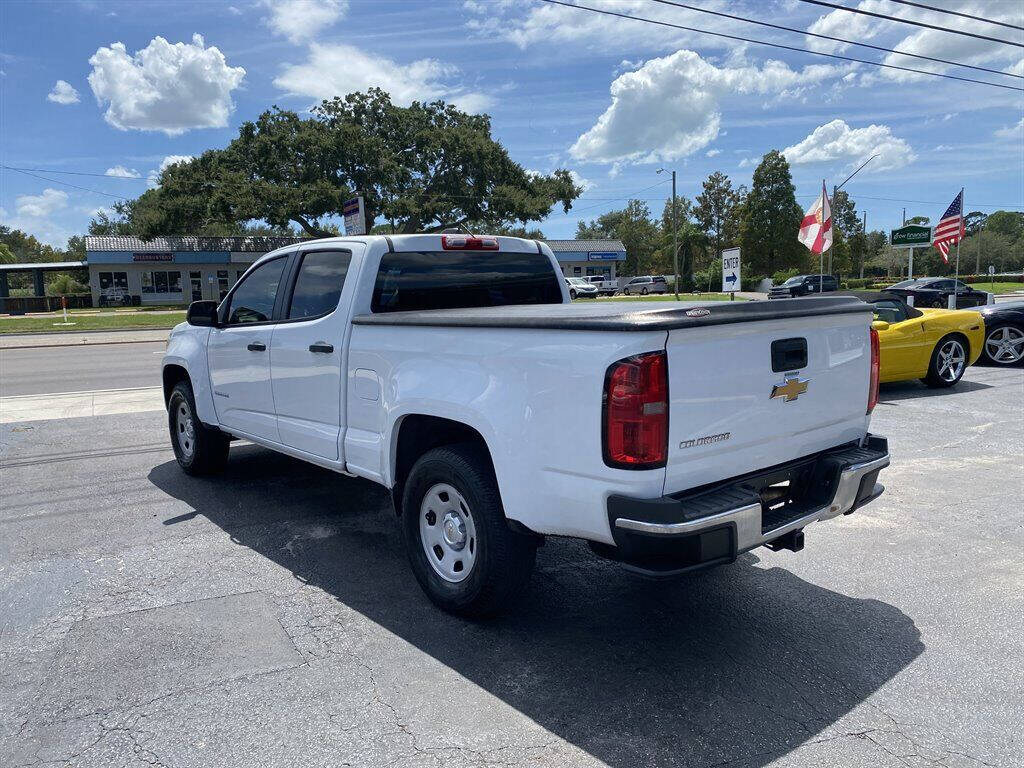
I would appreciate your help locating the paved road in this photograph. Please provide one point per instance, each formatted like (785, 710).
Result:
(267, 617)
(42, 370)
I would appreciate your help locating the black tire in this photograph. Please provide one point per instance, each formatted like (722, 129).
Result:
(625, 291)
(999, 329)
(205, 451)
(934, 378)
(503, 558)
(572, 295)
(643, 291)
(937, 304)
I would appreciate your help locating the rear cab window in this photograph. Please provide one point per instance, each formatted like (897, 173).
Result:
(462, 279)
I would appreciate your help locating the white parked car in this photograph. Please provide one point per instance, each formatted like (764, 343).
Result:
(606, 286)
(453, 370)
(580, 288)
(644, 285)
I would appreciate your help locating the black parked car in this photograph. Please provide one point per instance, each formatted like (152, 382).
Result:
(935, 292)
(1004, 333)
(802, 285)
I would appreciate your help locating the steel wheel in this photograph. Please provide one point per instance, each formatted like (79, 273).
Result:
(951, 360)
(185, 430)
(448, 533)
(1005, 345)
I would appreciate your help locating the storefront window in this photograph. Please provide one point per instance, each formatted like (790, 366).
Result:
(222, 283)
(110, 280)
(161, 282)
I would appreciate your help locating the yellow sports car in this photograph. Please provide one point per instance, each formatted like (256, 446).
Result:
(934, 345)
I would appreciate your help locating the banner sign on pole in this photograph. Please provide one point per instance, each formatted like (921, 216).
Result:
(911, 236)
(731, 276)
(355, 216)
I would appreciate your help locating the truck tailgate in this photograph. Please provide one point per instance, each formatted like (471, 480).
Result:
(723, 418)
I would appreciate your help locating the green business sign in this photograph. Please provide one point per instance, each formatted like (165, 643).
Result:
(910, 236)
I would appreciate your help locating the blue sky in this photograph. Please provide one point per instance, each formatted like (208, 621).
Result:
(108, 88)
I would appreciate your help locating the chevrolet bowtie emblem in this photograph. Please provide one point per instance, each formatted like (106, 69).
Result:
(791, 390)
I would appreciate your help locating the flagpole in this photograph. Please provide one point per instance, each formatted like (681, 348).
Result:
(956, 269)
(821, 256)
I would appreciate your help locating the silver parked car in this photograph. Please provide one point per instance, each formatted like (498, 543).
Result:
(645, 284)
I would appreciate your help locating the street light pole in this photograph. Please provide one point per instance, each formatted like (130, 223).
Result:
(835, 189)
(675, 233)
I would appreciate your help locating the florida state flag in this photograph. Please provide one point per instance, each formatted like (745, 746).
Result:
(816, 228)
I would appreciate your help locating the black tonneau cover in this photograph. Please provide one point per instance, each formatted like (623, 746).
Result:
(621, 315)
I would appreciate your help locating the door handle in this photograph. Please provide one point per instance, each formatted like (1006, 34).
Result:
(321, 347)
(257, 346)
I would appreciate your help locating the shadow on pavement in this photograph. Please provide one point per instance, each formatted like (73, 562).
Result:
(911, 390)
(740, 663)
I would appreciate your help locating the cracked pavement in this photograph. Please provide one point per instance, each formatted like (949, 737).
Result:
(268, 618)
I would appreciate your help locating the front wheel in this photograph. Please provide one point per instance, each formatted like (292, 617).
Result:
(460, 546)
(1004, 345)
(200, 450)
(625, 291)
(948, 363)
(572, 295)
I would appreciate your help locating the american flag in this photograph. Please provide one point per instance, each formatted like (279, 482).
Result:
(950, 228)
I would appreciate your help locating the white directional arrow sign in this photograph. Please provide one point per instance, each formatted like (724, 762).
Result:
(731, 278)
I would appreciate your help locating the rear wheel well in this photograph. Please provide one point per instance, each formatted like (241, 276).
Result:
(173, 374)
(418, 434)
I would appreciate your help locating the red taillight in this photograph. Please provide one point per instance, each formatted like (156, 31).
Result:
(636, 412)
(875, 364)
(468, 243)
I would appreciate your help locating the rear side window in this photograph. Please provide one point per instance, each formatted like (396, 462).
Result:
(456, 279)
(253, 298)
(318, 284)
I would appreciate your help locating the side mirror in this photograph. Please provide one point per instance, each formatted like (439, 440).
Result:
(880, 325)
(203, 314)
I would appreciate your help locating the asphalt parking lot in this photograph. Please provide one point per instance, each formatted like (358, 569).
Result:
(267, 617)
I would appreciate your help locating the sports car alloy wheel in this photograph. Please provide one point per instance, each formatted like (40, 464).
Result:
(951, 360)
(1005, 345)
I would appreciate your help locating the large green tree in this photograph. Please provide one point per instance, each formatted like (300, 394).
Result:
(771, 220)
(418, 168)
(717, 211)
(633, 225)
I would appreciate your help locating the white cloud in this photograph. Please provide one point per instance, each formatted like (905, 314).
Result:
(925, 42)
(63, 93)
(544, 24)
(670, 107)
(164, 87)
(713, 152)
(301, 20)
(339, 69)
(153, 179)
(122, 172)
(234, 11)
(1011, 131)
(41, 206)
(838, 142)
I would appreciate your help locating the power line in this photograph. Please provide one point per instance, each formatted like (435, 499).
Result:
(58, 181)
(913, 23)
(956, 13)
(833, 39)
(780, 45)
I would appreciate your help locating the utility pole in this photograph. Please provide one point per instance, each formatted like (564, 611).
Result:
(864, 248)
(675, 236)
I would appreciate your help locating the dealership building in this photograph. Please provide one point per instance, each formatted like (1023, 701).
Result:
(179, 270)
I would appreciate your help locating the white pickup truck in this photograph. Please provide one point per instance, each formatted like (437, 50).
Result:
(454, 370)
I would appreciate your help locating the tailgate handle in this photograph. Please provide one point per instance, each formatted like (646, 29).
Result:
(789, 354)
